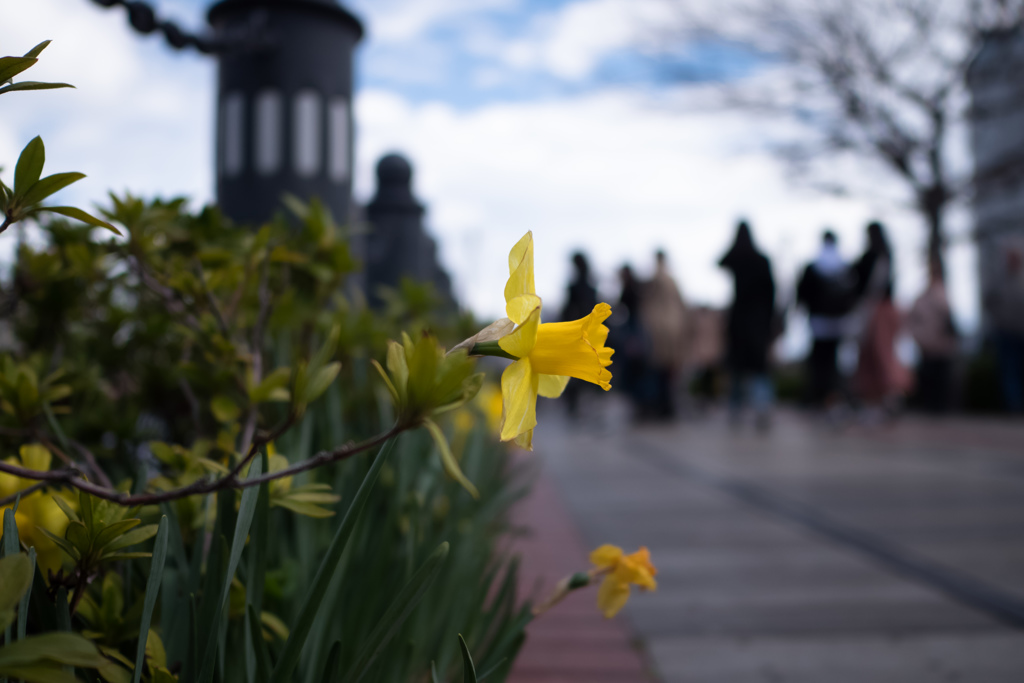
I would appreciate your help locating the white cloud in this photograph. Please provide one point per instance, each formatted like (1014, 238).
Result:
(140, 117)
(610, 174)
(403, 20)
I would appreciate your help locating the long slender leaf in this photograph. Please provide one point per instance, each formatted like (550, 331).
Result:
(12, 66)
(259, 647)
(257, 565)
(156, 573)
(330, 671)
(403, 604)
(23, 605)
(33, 85)
(63, 612)
(78, 214)
(11, 543)
(44, 187)
(312, 602)
(245, 514)
(34, 52)
(468, 670)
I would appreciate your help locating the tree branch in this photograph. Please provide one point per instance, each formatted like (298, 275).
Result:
(71, 476)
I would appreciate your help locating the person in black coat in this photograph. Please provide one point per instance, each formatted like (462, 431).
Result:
(749, 325)
(582, 297)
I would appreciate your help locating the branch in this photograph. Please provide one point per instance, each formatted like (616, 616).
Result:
(71, 476)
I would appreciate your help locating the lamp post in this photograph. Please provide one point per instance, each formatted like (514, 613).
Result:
(284, 101)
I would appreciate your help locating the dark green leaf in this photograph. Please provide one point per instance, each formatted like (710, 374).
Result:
(137, 535)
(259, 647)
(11, 542)
(29, 166)
(62, 543)
(23, 605)
(42, 672)
(468, 670)
(78, 214)
(67, 509)
(403, 604)
(156, 573)
(113, 531)
(48, 185)
(33, 85)
(330, 670)
(12, 66)
(312, 602)
(34, 52)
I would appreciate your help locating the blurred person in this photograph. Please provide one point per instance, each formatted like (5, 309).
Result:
(629, 341)
(881, 381)
(827, 289)
(581, 299)
(930, 323)
(1004, 304)
(749, 327)
(873, 272)
(706, 352)
(663, 317)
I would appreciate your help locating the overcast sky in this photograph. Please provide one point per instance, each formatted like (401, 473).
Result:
(517, 115)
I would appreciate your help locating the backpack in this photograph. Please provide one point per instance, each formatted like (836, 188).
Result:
(831, 296)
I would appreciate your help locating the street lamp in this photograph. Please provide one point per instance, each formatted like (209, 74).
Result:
(284, 100)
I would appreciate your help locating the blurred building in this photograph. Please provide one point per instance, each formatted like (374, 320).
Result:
(398, 245)
(997, 141)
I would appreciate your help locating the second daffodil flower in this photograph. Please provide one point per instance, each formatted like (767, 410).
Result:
(546, 355)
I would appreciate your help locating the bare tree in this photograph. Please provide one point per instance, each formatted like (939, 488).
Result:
(881, 79)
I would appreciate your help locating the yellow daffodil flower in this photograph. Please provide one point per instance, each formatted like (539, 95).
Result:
(620, 570)
(547, 354)
(37, 510)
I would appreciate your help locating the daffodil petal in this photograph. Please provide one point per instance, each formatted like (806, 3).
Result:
(520, 343)
(606, 556)
(519, 308)
(525, 440)
(520, 270)
(575, 348)
(552, 386)
(612, 596)
(519, 397)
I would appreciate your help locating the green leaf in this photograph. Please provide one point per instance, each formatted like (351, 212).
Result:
(23, 605)
(266, 389)
(48, 185)
(66, 509)
(330, 670)
(312, 601)
(451, 465)
(399, 610)
(246, 511)
(156, 573)
(11, 542)
(62, 543)
(137, 535)
(224, 409)
(15, 580)
(34, 52)
(321, 380)
(256, 568)
(78, 214)
(79, 537)
(468, 670)
(260, 648)
(12, 66)
(62, 648)
(113, 531)
(33, 85)
(29, 166)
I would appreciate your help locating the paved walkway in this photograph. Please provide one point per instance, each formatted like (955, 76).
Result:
(805, 555)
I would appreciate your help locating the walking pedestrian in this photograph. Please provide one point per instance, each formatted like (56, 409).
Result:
(930, 323)
(1004, 304)
(663, 315)
(827, 289)
(749, 327)
(630, 341)
(881, 380)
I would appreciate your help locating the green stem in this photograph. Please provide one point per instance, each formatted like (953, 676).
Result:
(490, 348)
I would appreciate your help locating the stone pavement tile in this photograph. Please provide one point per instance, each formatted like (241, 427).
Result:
(572, 642)
(932, 658)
